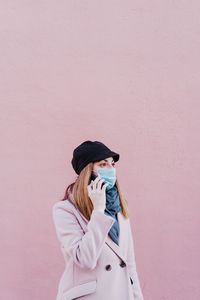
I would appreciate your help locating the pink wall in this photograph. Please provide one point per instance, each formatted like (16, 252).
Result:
(122, 72)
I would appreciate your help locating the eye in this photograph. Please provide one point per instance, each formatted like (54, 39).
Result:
(102, 164)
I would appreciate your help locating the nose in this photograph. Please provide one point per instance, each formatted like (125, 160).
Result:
(110, 166)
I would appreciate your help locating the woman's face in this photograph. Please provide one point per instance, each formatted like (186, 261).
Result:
(102, 164)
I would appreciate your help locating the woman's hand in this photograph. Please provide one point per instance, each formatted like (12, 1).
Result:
(97, 193)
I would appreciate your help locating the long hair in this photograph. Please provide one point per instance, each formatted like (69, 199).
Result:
(79, 192)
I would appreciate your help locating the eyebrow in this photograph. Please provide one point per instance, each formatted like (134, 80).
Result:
(107, 160)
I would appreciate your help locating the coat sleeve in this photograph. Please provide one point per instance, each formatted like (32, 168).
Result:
(137, 292)
(83, 247)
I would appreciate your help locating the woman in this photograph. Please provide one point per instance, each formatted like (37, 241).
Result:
(93, 227)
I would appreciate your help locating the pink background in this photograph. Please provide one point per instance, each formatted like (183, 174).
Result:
(122, 72)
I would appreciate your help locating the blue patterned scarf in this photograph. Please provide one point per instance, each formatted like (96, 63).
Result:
(112, 208)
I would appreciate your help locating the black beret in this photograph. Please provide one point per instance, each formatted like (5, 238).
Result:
(88, 152)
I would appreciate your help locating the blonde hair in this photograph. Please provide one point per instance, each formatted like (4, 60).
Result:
(80, 194)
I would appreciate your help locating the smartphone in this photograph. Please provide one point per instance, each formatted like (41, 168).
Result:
(93, 176)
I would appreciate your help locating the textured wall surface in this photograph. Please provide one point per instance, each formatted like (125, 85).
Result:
(122, 72)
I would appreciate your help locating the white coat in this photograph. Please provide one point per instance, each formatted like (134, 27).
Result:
(96, 268)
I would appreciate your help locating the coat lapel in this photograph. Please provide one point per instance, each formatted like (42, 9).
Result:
(117, 248)
(114, 247)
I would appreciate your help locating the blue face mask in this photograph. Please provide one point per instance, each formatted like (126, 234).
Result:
(109, 176)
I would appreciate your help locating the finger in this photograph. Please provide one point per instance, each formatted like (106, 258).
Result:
(100, 183)
(96, 181)
(91, 184)
(105, 186)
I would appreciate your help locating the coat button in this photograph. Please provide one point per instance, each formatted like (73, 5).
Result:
(108, 267)
(131, 280)
(122, 264)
